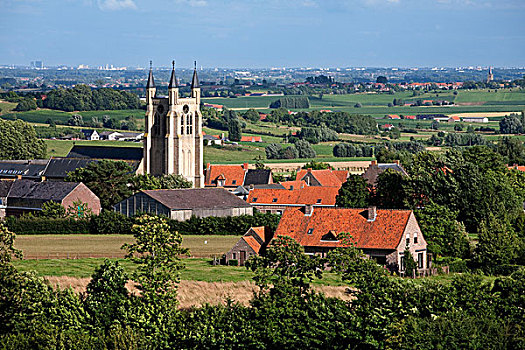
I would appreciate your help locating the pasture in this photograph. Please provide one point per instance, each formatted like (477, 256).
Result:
(60, 148)
(108, 246)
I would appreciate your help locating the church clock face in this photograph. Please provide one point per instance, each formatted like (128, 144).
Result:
(186, 109)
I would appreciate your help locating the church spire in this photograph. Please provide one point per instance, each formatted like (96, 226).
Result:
(151, 82)
(173, 79)
(195, 80)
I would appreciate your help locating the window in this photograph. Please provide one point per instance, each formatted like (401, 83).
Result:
(319, 200)
(402, 268)
(234, 256)
(280, 212)
(415, 238)
(254, 200)
(408, 239)
(234, 182)
(420, 260)
(274, 200)
(310, 231)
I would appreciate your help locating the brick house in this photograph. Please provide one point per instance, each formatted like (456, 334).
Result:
(277, 200)
(253, 242)
(381, 234)
(29, 196)
(231, 177)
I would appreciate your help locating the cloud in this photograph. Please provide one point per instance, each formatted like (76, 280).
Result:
(192, 3)
(113, 5)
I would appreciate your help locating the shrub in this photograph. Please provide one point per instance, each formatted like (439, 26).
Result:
(110, 222)
(41, 225)
(233, 262)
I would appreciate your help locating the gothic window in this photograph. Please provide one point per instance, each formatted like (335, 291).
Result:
(188, 124)
(182, 125)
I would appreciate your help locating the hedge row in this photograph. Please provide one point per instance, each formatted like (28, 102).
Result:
(109, 222)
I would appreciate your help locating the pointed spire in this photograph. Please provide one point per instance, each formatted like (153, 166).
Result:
(151, 82)
(173, 79)
(195, 80)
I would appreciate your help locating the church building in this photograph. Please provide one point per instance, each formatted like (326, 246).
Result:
(173, 141)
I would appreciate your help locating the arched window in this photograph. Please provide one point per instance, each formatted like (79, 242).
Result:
(188, 124)
(182, 125)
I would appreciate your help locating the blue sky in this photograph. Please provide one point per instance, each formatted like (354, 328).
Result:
(264, 33)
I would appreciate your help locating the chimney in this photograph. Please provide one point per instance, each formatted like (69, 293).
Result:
(208, 165)
(308, 209)
(245, 166)
(374, 162)
(396, 162)
(372, 213)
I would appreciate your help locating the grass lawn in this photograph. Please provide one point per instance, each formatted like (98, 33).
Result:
(83, 246)
(60, 148)
(6, 107)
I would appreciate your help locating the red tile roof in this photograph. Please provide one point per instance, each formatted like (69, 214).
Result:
(385, 232)
(309, 195)
(517, 167)
(259, 231)
(326, 177)
(297, 184)
(393, 116)
(252, 242)
(251, 139)
(230, 173)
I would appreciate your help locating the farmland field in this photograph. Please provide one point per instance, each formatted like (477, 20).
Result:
(60, 148)
(85, 246)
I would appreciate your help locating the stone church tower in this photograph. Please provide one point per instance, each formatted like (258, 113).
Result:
(173, 131)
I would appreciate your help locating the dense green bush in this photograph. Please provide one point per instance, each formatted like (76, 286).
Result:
(233, 262)
(41, 225)
(110, 222)
(291, 102)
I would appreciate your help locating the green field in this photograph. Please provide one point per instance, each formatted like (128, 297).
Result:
(42, 115)
(60, 148)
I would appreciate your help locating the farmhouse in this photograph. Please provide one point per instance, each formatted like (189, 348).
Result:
(90, 134)
(25, 196)
(381, 234)
(131, 155)
(277, 200)
(374, 169)
(182, 204)
(22, 169)
(231, 177)
(253, 242)
(325, 178)
(251, 139)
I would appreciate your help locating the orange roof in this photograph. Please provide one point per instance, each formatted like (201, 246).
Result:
(251, 139)
(316, 195)
(410, 117)
(385, 232)
(326, 177)
(252, 242)
(455, 117)
(233, 174)
(259, 231)
(517, 167)
(297, 184)
(393, 116)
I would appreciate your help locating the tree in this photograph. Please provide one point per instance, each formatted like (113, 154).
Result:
(391, 190)
(234, 129)
(151, 182)
(107, 298)
(511, 124)
(156, 253)
(273, 150)
(381, 79)
(75, 120)
(304, 149)
(18, 140)
(354, 193)
(410, 263)
(513, 149)
(107, 179)
(52, 209)
(316, 165)
(26, 104)
(251, 115)
(443, 233)
(79, 210)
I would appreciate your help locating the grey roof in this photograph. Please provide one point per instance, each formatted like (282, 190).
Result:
(25, 168)
(151, 81)
(374, 170)
(60, 167)
(393, 166)
(173, 79)
(5, 186)
(257, 177)
(88, 132)
(47, 190)
(195, 80)
(101, 152)
(197, 198)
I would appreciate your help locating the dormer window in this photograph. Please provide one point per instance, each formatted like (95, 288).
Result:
(310, 231)
(415, 238)
(274, 200)
(234, 182)
(220, 183)
(254, 200)
(319, 200)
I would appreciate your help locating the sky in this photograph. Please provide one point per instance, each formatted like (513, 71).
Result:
(264, 33)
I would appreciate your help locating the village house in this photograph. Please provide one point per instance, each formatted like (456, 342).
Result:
(277, 200)
(90, 134)
(475, 120)
(24, 196)
(374, 169)
(182, 204)
(325, 177)
(251, 139)
(382, 234)
(253, 243)
(231, 177)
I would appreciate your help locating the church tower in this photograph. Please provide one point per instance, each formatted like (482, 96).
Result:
(173, 131)
(490, 75)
